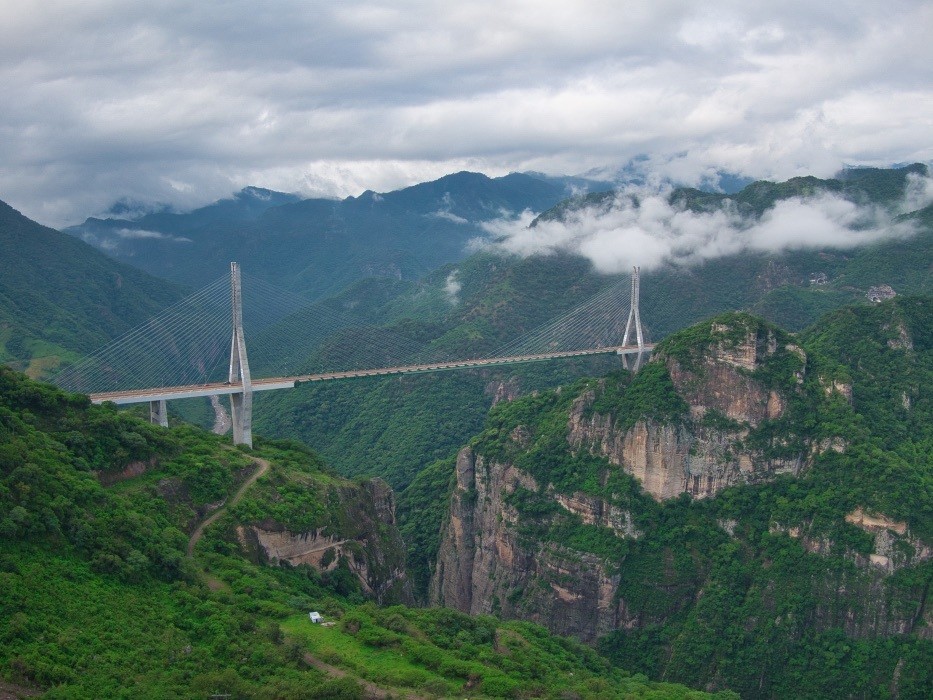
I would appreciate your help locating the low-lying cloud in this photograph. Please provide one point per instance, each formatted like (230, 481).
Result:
(452, 287)
(643, 227)
(139, 233)
(110, 242)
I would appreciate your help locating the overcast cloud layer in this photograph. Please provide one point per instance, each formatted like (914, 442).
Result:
(184, 102)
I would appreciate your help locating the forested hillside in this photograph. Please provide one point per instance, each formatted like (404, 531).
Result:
(142, 562)
(60, 298)
(752, 510)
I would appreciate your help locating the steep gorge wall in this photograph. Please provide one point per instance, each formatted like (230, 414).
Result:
(486, 566)
(490, 561)
(700, 456)
(367, 541)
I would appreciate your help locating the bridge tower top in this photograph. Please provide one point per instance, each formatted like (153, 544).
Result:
(634, 317)
(634, 323)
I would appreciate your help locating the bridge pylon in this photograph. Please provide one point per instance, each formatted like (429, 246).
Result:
(634, 323)
(241, 403)
(158, 413)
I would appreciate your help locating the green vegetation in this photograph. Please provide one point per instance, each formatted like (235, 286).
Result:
(394, 428)
(422, 507)
(60, 298)
(446, 653)
(764, 589)
(99, 600)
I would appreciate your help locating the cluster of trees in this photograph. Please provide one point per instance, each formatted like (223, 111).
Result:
(99, 600)
(719, 593)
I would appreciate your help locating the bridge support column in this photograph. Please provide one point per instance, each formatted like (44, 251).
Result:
(634, 323)
(158, 413)
(241, 404)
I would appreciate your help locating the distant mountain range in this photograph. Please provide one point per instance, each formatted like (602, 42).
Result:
(319, 246)
(500, 296)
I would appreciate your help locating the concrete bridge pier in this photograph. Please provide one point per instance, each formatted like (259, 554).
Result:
(158, 413)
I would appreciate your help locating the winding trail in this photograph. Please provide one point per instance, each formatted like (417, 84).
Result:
(371, 690)
(207, 522)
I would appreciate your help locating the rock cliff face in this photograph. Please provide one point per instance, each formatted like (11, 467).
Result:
(366, 540)
(706, 454)
(496, 558)
(485, 566)
(894, 548)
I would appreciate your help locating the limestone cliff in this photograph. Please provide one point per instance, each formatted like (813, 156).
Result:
(363, 537)
(486, 566)
(708, 452)
(529, 534)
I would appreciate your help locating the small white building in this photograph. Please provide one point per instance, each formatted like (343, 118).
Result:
(315, 617)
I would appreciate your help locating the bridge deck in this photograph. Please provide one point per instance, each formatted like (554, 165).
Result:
(219, 389)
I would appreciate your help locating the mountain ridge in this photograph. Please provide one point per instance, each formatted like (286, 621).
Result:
(318, 246)
(60, 297)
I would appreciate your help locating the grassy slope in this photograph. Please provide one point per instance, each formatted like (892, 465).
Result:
(98, 599)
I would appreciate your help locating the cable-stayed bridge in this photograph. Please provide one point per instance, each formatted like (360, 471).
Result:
(198, 348)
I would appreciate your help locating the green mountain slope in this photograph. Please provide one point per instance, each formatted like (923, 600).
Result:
(801, 566)
(319, 246)
(98, 598)
(60, 298)
(393, 428)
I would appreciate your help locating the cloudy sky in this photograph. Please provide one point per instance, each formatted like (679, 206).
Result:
(184, 102)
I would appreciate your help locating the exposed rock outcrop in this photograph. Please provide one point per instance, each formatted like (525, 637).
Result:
(706, 454)
(485, 566)
(502, 390)
(366, 540)
(880, 615)
(894, 547)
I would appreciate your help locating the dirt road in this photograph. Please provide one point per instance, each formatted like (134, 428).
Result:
(206, 523)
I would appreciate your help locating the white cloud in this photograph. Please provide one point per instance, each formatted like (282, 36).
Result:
(179, 102)
(111, 243)
(138, 233)
(452, 287)
(919, 193)
(450, 217)
(643, 227)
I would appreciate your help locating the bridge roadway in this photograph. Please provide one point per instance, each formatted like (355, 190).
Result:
(219, 389)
